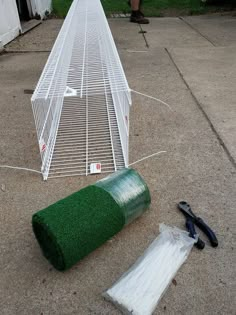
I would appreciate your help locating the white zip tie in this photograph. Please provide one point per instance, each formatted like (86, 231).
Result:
(153, 98)
(20, 168)
(147, 157)
(141, 288)
(38, 172)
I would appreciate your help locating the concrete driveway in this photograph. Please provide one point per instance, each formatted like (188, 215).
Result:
(191, 64)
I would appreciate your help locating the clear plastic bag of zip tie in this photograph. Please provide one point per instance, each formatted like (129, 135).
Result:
(140, 289)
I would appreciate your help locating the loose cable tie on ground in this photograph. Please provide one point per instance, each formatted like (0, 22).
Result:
(20, 168)
(153, 98)
(38, 172)
(147, 157)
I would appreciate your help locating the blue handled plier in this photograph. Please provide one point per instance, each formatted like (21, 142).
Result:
(191, 220)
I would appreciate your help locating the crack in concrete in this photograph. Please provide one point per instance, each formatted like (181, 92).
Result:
(221, 142)
(197, 31)
(143, 34)
(6, 51)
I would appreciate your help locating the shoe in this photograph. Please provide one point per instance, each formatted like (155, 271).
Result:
(138, 17)
(141, 13)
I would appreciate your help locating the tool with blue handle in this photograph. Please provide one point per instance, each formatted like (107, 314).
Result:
(191, 220)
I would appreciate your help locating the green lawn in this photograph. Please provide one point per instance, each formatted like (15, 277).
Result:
(151, 7)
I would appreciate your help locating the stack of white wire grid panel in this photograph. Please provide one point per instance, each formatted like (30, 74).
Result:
(82, 100)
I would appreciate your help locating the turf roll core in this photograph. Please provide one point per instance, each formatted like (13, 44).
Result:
(73, 227)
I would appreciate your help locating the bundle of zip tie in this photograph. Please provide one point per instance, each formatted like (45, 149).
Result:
(73, 227)
(140, 289)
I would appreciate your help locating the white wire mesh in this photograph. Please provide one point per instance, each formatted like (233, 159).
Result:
(81, 102)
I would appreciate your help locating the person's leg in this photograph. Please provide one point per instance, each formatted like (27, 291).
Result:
(140, 5)
(135, 5)
(136, 15)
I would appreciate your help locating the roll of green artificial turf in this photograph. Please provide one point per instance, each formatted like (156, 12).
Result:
(73, 227)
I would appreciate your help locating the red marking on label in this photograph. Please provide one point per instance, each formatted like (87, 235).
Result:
(43, 147)
(98, 166)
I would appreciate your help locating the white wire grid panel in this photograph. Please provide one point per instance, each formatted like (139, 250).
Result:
(82, 100)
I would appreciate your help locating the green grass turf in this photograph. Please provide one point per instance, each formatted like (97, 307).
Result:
(73, 227)
(151, 7)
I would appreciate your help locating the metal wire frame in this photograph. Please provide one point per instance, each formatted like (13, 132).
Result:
(81, 102)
